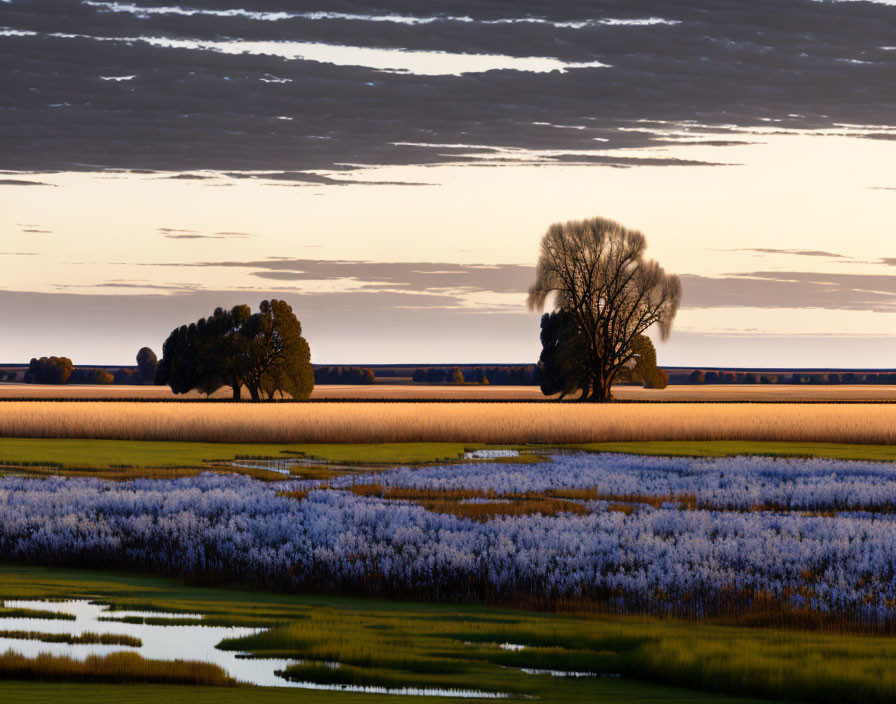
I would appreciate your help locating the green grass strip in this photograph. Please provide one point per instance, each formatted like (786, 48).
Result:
(729, 448)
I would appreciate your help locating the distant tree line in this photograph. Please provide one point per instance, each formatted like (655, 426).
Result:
(344, 375)
(701, 376)
(510, 375)
(60, 370)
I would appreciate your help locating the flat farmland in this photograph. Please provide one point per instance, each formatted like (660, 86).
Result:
(721, 392)
(495, 423)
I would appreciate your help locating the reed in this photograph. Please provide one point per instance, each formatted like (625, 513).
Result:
(496, 423)
(80, 639)
(118, 668)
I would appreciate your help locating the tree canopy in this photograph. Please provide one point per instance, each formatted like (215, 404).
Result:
(49, 370)
(597, 274)
(263, 351)
(147, 362)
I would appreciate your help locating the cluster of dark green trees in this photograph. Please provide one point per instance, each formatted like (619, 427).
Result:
(344, 375)
(264, 352)
(563, 347)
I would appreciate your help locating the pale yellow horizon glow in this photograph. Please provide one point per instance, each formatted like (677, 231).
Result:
(787, 191)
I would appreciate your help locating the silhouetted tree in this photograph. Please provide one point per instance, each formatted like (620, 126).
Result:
(147, 362)
(419, 375)
(697, 377)
(457, 376)
(595, 269)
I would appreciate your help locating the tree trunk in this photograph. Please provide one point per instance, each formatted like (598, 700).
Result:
(601, 387)
(253, 392)
(237, 391)
(601, 393)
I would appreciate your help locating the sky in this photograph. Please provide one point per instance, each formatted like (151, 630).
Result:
(389, 168)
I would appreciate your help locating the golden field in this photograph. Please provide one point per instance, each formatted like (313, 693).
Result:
(496, 423)
(384, 391)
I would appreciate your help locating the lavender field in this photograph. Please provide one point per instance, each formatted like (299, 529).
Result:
(699, 538)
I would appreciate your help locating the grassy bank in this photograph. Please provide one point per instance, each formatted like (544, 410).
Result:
(111, 455)
(607, 691)
(729, 448)
(105, 454)
(458, 647)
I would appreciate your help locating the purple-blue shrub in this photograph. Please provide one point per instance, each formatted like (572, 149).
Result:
(232, 529)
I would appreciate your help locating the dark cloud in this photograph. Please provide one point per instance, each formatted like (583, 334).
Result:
(418, 276)
(794, 289)
(38, 232)
(213, 236)
(18, 254)
(316, 179)
(724, 62)
(798, 252)
(22, 182)
(174, 233)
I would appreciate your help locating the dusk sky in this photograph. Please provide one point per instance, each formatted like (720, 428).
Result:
(388, 168)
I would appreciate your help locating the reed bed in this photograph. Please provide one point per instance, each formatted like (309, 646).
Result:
(115, 668)
(497, 423)
(396, 392)
(70, 639)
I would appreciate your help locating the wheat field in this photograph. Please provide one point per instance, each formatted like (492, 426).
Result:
(497, 423)
(401, 392)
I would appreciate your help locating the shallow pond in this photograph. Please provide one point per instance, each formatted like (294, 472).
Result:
(160, 642)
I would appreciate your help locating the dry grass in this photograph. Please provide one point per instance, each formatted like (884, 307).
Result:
(398, 392)
(457, 502)
(455, 422)
(112, 668)
(87, 638)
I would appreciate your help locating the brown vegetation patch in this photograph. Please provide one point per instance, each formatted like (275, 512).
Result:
(80, 639)
(116, 668)
(686, 501)
(298, 495)
(470, 503)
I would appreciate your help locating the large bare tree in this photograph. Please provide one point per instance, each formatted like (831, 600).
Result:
(596, 270)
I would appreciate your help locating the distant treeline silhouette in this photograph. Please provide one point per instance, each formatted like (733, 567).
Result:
(60, 370)
(512, 375)
(701, 376)
(344, 375)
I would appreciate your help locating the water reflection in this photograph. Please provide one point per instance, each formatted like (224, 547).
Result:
(181, 642)
(159, 642)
